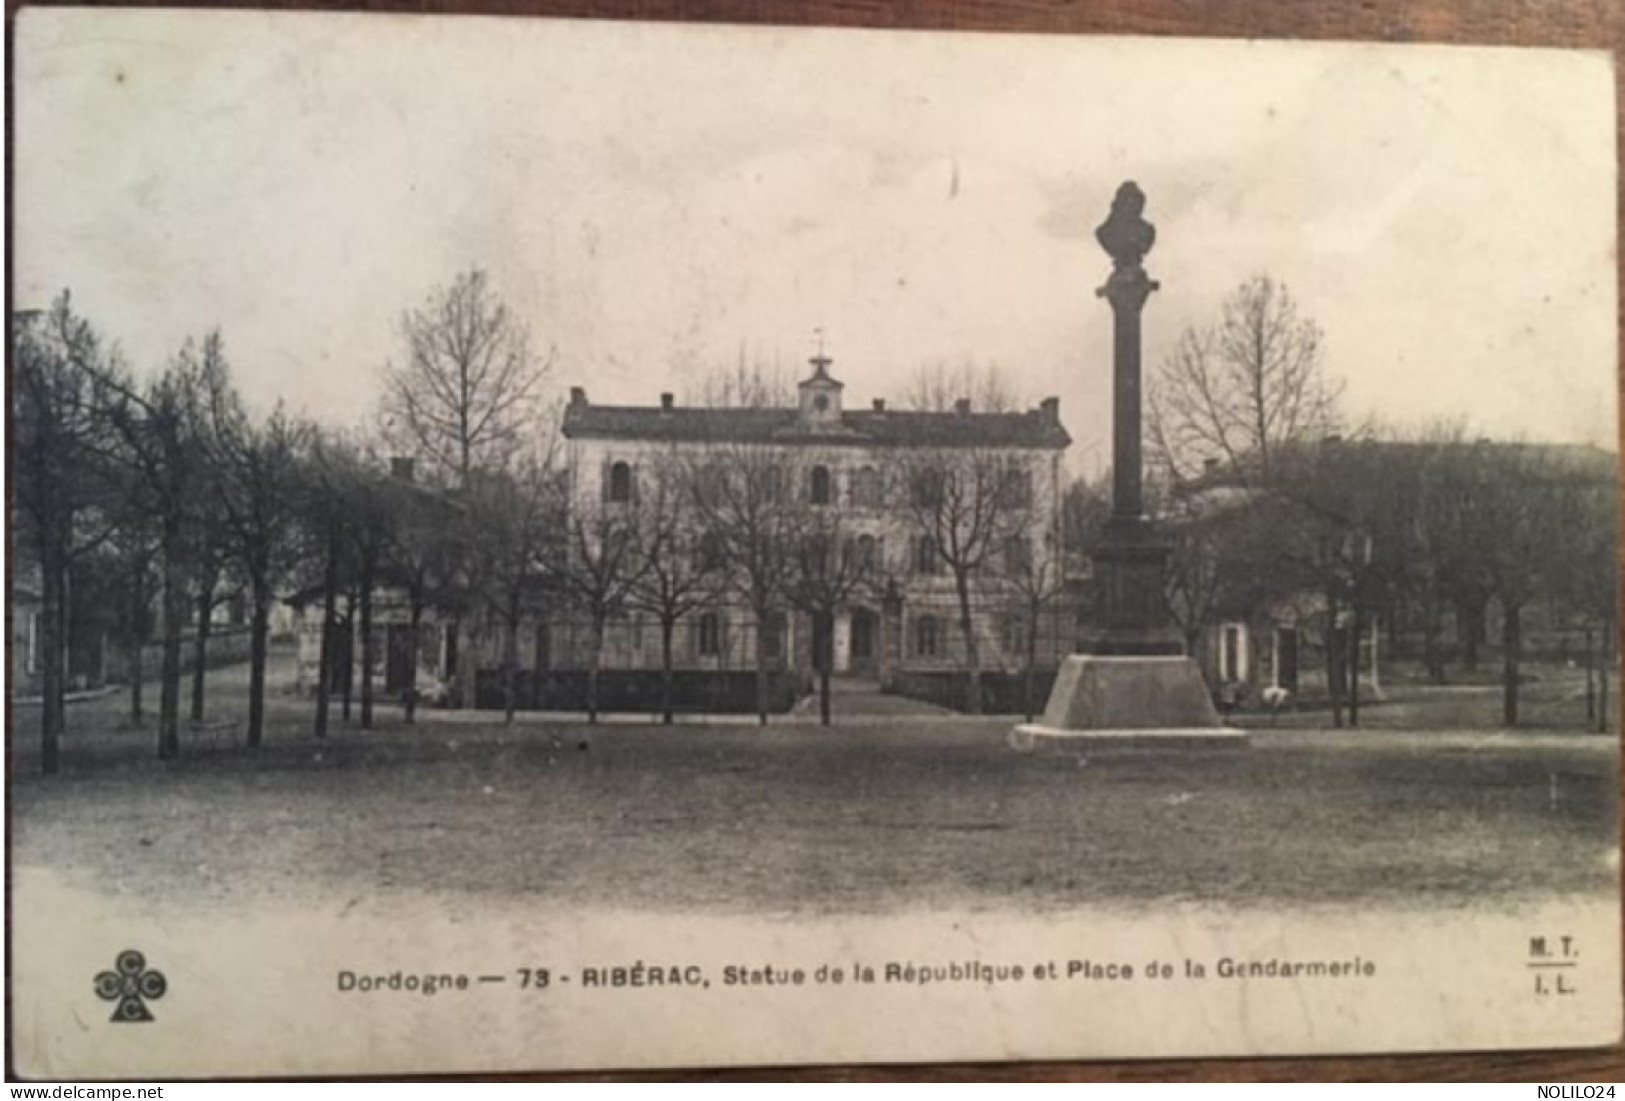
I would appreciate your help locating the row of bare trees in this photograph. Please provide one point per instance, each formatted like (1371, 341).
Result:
(1275, 497)
(167, 486)
(168, 492)
(158, 487)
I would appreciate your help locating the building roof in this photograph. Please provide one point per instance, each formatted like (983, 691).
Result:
(1038, 429)
(1584, 460)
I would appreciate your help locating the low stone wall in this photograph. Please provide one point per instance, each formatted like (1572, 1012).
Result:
(226, 646)
(716, 692)
(1002, 693)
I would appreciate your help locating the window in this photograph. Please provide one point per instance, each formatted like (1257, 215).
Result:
(1016, 488)
(925, 555)
(866, 491)
(819, 489)
(620, 483)
(926, 489)
(713, 551)
(769, 483)
(1013, 634)
(1018, 555)
(925, 636)
(821, 403)
(31, 652)
(773, 636)
(817, 555)
(868, 557)
(709, 485)
(710, 635)
(1234, 650)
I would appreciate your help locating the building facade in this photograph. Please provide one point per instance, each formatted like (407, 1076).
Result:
(857, 472)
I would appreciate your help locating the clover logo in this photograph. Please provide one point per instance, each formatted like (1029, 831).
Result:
(131, 984)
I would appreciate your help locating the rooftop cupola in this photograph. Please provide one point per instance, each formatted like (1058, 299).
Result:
(820, 394)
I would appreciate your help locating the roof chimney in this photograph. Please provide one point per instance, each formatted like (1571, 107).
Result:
(962, 407)
(1210, 466)
(1051, 408)
(578, 395)
(880, 405)
(665, 403)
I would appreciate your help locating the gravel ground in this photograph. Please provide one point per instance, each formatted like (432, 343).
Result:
(870, 817)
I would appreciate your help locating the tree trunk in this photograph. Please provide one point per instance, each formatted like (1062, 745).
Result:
(454, 667)
(349, 653)
(324, 675)
(136, 642)
(973, 654)
(596, 664)
(510, 662)
(1334, 660)
(668, 624)
(413, 634)
(761, 668)
(1606, 661)
(200, 648)
(259, 636)
(1432, 652)
(1591, 678)
(48, 647)
(366, 641)
(1030, 673)
(1511, 645)
(1470, 629)
(175, 614)
(823, 658)
(1356, 637)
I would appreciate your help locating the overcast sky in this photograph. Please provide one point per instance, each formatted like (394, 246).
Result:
(652, 199)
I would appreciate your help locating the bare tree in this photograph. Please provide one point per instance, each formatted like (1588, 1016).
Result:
(828, 566)
(257, 470)
(520, 514)
(675, 575)
(325, 502)
(1242, 390)
(158, 433)
(939, 386)
(425, 555)
(1034, 573)
(213, 584)
(470, 385)
(962, 504)
(59, 404)
(599, 570)
(750, 383)
(371, 529)
(1528, 501)
(744, 493)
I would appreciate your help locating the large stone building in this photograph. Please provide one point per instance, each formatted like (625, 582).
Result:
(854, 463)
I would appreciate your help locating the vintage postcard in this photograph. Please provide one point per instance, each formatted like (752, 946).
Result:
(540, 545)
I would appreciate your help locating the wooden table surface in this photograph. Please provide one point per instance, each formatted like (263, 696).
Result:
(1590, 24)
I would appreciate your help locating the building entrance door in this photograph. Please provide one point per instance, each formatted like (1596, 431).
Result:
(865, 634)
(397, 657)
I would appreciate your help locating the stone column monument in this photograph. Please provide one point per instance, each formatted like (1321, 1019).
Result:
(1133, 684)
(1131, 614)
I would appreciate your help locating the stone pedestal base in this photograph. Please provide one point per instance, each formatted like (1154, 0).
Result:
(1129, 701)
(1131, 613)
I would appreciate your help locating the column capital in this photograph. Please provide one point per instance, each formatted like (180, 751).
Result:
(1128, 288)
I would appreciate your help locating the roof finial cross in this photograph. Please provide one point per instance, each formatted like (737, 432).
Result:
(821, 360)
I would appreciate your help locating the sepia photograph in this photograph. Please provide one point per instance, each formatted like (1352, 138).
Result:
(549, 545)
